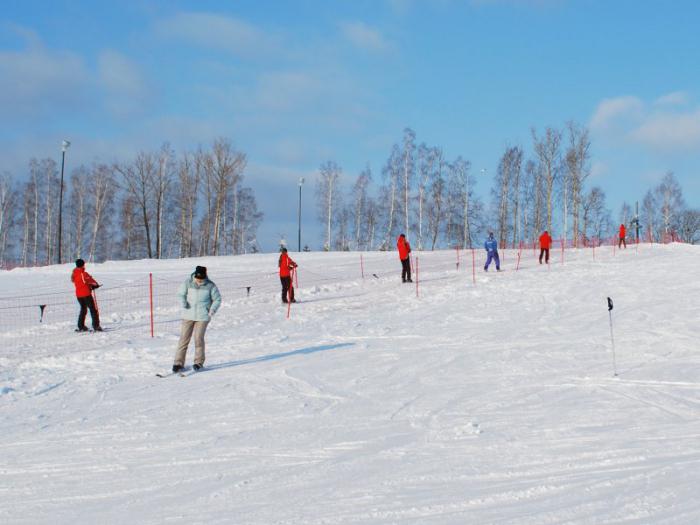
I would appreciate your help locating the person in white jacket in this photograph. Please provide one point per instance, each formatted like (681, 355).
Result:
(200, 300)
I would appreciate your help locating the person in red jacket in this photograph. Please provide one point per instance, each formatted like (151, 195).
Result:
(286, 266)
(545, 245)
(84, 285)
(623, 233)
(404, 249)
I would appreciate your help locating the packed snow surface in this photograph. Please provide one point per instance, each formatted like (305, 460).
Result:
(375, 402)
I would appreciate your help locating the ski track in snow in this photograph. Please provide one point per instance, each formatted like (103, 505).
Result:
(486, 403)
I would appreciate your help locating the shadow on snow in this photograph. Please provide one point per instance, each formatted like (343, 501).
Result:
(271, 357)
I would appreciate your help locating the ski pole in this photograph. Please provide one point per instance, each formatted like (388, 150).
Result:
(290, 292)
(612, 339)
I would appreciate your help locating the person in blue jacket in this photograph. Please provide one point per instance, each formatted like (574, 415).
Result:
(491, 246)
(200, 299)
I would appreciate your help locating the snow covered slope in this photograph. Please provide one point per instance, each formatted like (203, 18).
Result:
(373, 403)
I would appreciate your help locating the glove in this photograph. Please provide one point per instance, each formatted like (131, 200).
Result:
(95, 286)
(186, 305)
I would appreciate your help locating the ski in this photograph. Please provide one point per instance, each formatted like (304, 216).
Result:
(181, 373)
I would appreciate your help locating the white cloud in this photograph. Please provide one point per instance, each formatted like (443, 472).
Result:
(124, 88)
(363, 36)
(670, 131)
(216, 31)
(35, 80)
(661, 124)
(677, 98)
(612, 109)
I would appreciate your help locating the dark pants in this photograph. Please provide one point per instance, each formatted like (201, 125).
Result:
(492, 256)
(85, 304)
(287, 289)
(621, 242)
(406, 270)
(545, 252)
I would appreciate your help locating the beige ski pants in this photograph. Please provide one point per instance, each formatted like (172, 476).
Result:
(186, 331)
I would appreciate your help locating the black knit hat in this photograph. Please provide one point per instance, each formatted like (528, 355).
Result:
(200, 272)
(79, 263)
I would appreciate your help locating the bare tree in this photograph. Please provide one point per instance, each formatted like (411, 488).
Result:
(689, 226)
(408, 169)
(390, 189)
(649, 211)
(506, 193)
(436, 204)
(138, 177)
(577, 171)
(548, 153)
(669, 195)
(426, 162)
(101, 186)
(359, 212)
(327, 196)
(189, 176)
(7, 208)
(595, 216)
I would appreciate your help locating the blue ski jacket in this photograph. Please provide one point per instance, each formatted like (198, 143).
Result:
(199, 302)
(491, 244)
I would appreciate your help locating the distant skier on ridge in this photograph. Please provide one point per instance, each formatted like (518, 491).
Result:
(404, 250)
(286, 265)
(491, 247)
(622, 235)
(545, 244)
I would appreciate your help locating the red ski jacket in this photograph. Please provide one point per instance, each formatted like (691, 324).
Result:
(623, 231)
(83, 281)
(545, 241)
(404, 248)
(286, 264)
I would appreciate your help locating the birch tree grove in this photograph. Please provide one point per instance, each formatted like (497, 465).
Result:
(577, 171)
(408, 168)
(360, 204)
(7, 207)
(327, 195)
(547, 150)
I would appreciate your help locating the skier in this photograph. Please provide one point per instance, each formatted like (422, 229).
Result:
(286, 265)
(491, 246)
(545, 244)
(622, 240)
(404, 250)
(84, 285)
(200, 300)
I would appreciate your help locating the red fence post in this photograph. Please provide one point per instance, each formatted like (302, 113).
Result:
(473, 267)
(150, 295)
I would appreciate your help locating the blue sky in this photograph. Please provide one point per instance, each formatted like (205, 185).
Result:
(294, 84)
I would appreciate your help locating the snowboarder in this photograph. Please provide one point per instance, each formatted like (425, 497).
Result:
(200, 299)
(286, 265)
(545, 245)
(404, 250)
(491, 247)
(84, 285)
(623, 233)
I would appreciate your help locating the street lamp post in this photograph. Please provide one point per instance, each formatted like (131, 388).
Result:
(64, 147)
(301, 182)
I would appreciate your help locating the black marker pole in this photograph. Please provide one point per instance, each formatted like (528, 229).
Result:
(612, 339)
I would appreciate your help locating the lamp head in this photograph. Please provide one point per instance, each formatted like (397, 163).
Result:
(301, 181)
(65, 145)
